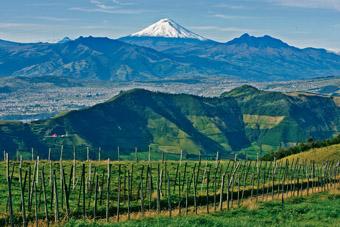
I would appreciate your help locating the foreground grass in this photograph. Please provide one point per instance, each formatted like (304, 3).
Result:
(322, 209)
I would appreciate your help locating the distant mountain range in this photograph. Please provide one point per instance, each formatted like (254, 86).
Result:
(166, 50)
(245, 121)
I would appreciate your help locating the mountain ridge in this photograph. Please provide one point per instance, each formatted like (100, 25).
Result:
(263, 41)
(171, 52)
(89, 58)
(246, 121)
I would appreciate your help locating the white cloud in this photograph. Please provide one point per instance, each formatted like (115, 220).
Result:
(110, 7)
(334, 50)
(122, 3)
(230, 17)
(56, 19)
(110, 11)
(229, 6)
(23, 26)
(110, 4)
(316, 4)
(100, 4)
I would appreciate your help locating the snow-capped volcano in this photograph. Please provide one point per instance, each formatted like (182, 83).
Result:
(167, 28)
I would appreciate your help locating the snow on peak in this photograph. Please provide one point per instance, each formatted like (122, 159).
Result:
(169, 29)
(65, 40)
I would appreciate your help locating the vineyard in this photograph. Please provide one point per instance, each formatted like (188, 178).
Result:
(47, 192)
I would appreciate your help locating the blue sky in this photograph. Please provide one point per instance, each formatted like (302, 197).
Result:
(302, 23)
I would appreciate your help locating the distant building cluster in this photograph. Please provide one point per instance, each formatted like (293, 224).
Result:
(41, 101)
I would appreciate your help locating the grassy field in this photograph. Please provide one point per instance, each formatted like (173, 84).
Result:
(320, 209)
(318, 155)
(142, 187)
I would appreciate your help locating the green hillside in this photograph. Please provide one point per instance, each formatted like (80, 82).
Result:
(319, 155)
(245, 121)
(274, 119)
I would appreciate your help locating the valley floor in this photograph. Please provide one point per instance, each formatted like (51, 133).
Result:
(320, 209)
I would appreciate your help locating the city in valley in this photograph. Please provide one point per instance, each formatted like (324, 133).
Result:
(26, 101)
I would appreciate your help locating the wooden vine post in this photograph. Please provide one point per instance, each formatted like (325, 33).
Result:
(108, 189)
(118, 192)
